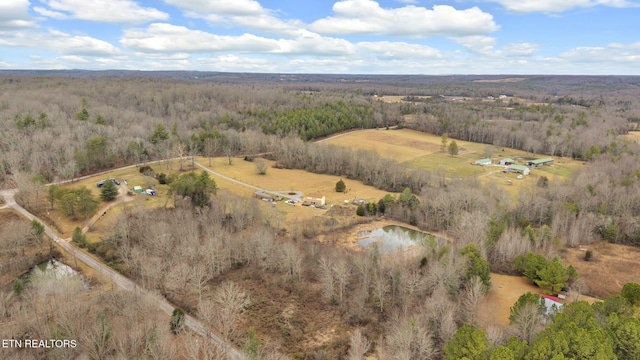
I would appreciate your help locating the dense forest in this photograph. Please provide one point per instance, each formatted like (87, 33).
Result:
(56, 126)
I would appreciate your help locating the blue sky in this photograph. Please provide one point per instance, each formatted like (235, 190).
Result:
(346, 36)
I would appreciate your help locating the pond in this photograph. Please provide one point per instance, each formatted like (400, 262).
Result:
(394, 238)
(55, 277)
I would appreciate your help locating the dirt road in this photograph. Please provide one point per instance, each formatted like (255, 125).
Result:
(285, 193)
(232, 352)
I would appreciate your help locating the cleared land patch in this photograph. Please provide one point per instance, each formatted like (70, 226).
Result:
(611, 266)
(421, 150)
(283, 180)
(505, 291)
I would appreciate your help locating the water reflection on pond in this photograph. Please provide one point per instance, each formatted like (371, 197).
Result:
(54, 277)
(394, 238)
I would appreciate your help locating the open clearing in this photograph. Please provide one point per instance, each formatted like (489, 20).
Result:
(611, 267)
(421, 150)
(288, 179)
(505, 291)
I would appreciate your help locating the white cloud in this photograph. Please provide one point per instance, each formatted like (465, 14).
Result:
(13, 15)
(171, 38)
(268, 24)
(555, 6)
(477, 44)
(520, 49)
(367, 17)
(243, 13)
(221, 7)
(109, 11)
(400, 50)
(60, 43)
(615, 53)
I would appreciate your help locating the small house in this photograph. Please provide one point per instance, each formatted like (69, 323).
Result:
(539, 162)
(316, 200)
(138, 189)
(506, 161)
(551, 303)
(262, 195)
(485, 161)
(521, 169)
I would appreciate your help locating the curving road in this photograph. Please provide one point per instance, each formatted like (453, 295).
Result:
(232, 353)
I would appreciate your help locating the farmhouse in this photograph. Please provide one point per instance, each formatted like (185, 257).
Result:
(316, 200)
(485, 161)
(518, 169)
(506, 161)
(263, 195)
(538, 162)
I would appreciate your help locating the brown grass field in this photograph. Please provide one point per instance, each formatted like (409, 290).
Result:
(611, 267)
(505, 291)
(421, 150)
(288, 179)
(633, 136)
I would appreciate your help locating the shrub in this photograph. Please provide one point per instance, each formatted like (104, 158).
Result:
(147, 170)
(340, 186)
(162, 178)
(177, 321)
(588, 255)
(360, 211)
(631, 292)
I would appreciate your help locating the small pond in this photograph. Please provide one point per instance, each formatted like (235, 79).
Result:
(54, 277)
(394, 238)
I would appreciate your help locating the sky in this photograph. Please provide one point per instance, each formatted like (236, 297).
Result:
(431, 37)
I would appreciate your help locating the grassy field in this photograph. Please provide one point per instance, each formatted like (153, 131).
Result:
(421, 150)
(287, 179)
(505, 291)
(65, 225)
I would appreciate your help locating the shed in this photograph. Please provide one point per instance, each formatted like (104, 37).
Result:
(360, 201)
(485, 161)
(315, 199)
(538, 162)
(262, 195)
(521, 169)
(506, 161)
(138, 189)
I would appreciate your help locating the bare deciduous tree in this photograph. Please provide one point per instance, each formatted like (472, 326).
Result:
(342, 273)
(528, 322)
(326, 276)
(261, 166)
(359, 345)
(470, 299)
(231, 302)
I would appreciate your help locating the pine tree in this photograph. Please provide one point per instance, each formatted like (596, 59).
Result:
(453, 148)
(109, 191)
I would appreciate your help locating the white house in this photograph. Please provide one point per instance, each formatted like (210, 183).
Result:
(315, 199)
